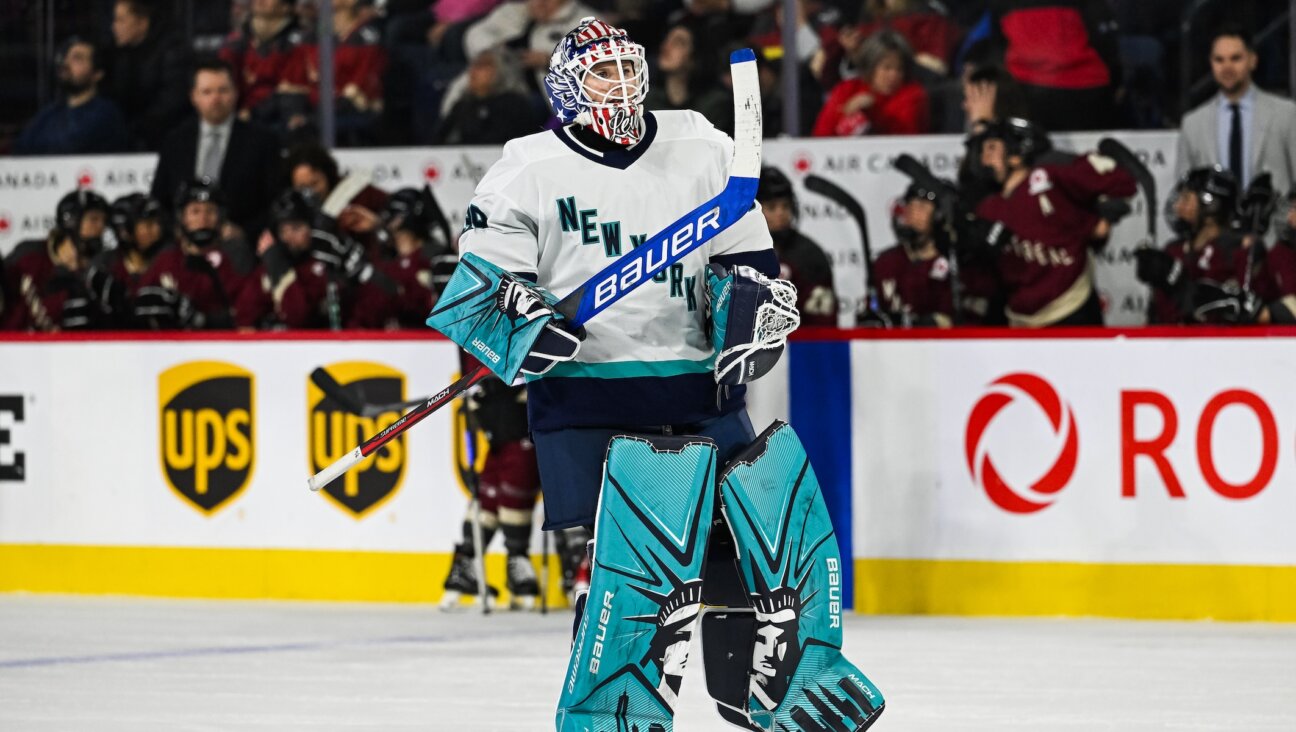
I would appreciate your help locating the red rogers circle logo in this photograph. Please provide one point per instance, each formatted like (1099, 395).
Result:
(1004, 391)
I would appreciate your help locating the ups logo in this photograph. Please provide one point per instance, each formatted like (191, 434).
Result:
(207, 433)
(334, 432)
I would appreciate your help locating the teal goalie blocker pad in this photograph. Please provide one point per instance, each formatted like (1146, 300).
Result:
(650, 540)
(494, 315)
(791, 566)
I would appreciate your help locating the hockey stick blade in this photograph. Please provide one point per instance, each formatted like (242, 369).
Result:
(356, 405)
(1125, 158)
(633, 268)
(322, 379)
(843, 198)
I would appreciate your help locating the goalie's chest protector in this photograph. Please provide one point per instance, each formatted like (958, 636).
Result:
(562, 211)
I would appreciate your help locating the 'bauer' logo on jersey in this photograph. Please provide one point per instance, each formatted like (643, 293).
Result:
(334, 432)
(206, 431)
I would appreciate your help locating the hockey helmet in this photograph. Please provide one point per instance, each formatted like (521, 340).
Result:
(200, 190)
(415, 210)
(1217, 194)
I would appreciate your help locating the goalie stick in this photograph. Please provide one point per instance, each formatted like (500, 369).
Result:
(632, 269)
(1126, 159)
(947, 204)
(841, 197)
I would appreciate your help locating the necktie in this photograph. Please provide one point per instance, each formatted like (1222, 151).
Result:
(1235, 144)
(211, 163)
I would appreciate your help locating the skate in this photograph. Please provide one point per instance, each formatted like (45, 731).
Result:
(462, 582)
(522, 583)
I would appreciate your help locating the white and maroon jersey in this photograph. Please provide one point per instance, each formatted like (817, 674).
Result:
(559, 210)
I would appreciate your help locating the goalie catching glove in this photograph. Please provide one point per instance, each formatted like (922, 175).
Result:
(508, 324)
(751, 317)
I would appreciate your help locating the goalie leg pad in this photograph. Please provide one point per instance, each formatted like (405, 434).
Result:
(790, 563)
(650, 539)
(502, 320)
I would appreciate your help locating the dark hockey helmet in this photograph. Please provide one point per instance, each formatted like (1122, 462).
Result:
(1217, 194)
(905, 233)
(122, 217)
(773, 184)
(1021, 137)
(296, 204)
(412, 210)
(200, 190)
(74, 206)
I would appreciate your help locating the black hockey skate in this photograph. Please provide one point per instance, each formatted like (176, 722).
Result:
(462, 581)
(522, 583)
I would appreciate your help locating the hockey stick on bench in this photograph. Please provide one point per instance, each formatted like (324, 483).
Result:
(631, 270)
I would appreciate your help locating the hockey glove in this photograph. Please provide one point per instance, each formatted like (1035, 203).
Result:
(1112, 210)
(507, 323)
(1156, 268)
(342, 254)
(162, 308)
(751, 317)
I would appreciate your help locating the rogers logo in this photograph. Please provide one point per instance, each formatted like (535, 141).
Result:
(1003, 392)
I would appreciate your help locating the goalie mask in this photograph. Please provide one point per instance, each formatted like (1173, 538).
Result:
(598, 78)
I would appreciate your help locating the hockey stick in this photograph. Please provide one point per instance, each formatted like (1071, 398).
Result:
(841, 197)
(1126, 159)
(356, 404)
(474, 482)
(922, 175)
(632, 269)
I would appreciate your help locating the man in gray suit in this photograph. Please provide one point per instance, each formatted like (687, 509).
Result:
(1243, 128)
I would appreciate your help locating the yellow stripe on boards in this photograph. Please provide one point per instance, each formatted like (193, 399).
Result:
(1141, 591)
(275, 574)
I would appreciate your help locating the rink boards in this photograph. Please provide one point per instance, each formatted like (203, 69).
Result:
(1127, 475)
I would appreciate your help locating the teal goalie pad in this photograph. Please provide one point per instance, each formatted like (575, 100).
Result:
(650, 545)
(494, 315)
(789, 561)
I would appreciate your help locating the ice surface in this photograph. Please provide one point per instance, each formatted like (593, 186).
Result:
(128, 664)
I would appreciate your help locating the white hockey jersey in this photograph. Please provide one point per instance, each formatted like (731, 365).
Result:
(557, 209)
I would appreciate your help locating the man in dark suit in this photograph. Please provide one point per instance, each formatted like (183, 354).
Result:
(241, 157)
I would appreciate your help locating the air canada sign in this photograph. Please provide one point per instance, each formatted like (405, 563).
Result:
(1177, 443)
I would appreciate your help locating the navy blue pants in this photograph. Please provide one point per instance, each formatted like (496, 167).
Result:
(571, 461)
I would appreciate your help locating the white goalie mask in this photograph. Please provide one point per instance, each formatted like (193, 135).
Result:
(598, 78)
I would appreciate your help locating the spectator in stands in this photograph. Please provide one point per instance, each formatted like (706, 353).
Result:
(990, 93)
(493, 109)
(359, 62)
(932, 36)
(147, 73)
(1243, 128)
(801, 260)
(238, 155)
(1064, 54)
(883, 100)
(80, 121)
(683, 78)
(311, 167)
(194, 285)
(259, 51)
(532, 27)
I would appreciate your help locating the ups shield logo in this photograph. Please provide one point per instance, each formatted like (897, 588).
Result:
(334, 432)
(206, 409)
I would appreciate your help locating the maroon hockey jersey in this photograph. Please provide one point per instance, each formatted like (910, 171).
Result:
(35, 288)
(211, 281)
(913, 287)
(1045, 265)
(301, 298)
(1213, 262)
